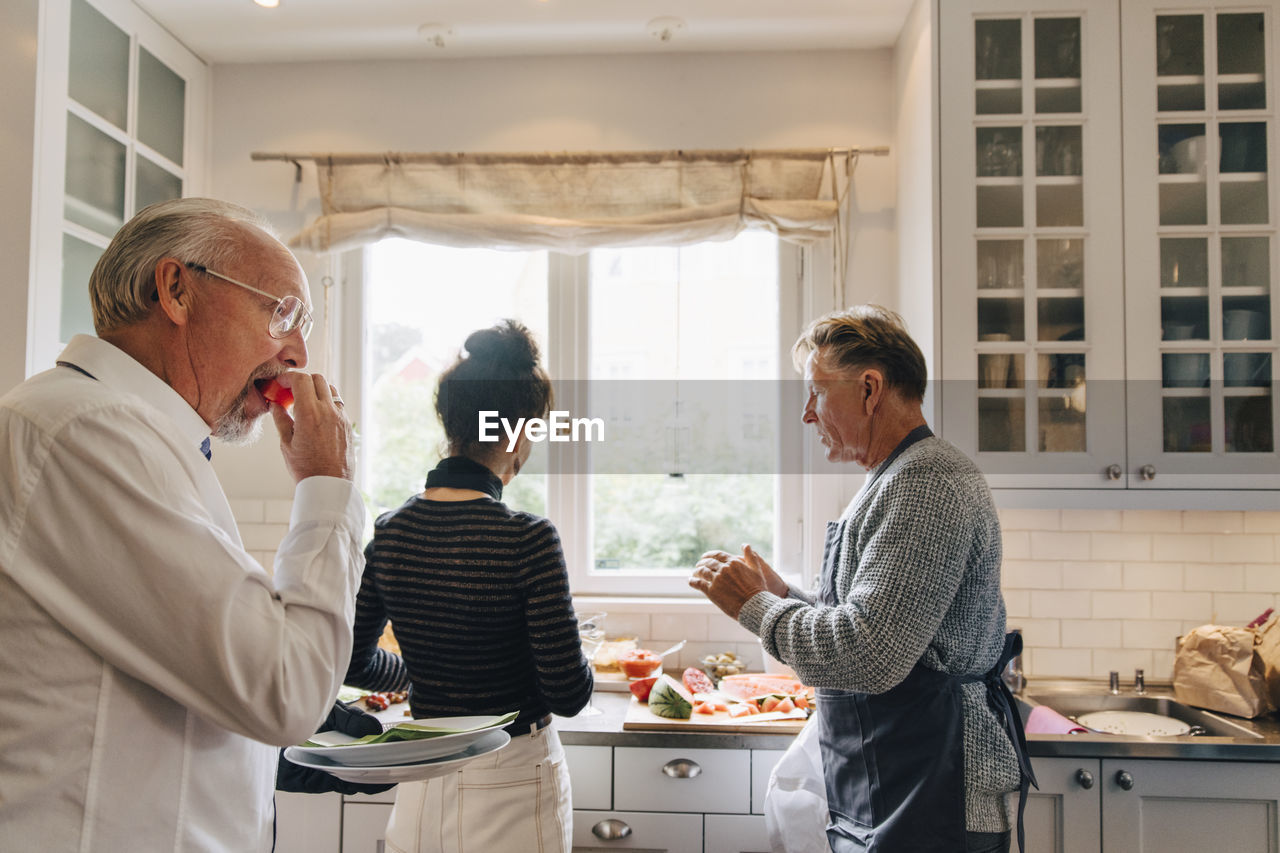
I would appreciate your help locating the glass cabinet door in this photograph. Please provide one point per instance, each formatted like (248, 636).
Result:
(121, 100)
(1201, 245)
(1032, 259)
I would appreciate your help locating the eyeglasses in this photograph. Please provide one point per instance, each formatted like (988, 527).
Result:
(289, 316)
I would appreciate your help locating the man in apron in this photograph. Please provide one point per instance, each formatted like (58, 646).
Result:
(905, 637)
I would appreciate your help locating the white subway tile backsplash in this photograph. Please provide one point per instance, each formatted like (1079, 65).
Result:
(1016, 545)
(1151, 633)
(1092, 575)
(1182, 547)
(1124, 661)
(1090, 520)
(262, 537)
(1161, 665)
(676, 627)
(1017, 603)
(246, 511)
(1244, 548)
(1239, 608)
(1150, 521)
(1092, 633)
(1120, 546)
(1200, 521)
(1025, 574)
(1262, 522)
(1046, 545)
(1121, 605)
(1074, 604)
(1182, 605)
(1153, 576)
(1058, 663)
(1041, 633)
(629, 625)
(1262, 579)
(1213, 577)
(279, 511)
(1030, 519)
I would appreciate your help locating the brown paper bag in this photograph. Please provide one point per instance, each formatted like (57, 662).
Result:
(1219, 668)
(1268, 649)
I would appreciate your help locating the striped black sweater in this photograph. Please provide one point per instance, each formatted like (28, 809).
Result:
(478, 596)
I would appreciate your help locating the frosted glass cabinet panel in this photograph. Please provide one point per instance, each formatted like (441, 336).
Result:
(1032, 255)
(1200, 187)
(118, 134)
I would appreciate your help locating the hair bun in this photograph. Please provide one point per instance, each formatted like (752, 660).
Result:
(509, 344)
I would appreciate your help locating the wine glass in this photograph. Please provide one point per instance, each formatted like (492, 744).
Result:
(591, 631)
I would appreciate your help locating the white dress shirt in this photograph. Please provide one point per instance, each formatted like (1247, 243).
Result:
(148, 663)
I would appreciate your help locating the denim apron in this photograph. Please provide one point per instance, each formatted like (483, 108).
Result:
(893, 762)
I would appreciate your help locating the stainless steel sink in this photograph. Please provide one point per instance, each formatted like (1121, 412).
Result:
(1072, 704)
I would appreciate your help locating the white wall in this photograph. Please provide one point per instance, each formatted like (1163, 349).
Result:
(757, 100)
(19, 21)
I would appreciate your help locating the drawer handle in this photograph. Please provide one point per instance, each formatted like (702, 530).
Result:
(610, 829)
(682, 768)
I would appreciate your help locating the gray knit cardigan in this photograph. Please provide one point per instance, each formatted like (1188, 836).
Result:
(918, 580)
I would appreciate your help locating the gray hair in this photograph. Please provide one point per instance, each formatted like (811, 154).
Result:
(202, 230)
(866, 336)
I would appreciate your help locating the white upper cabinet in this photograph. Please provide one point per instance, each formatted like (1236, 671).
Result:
(1108, 244)
(123, 117)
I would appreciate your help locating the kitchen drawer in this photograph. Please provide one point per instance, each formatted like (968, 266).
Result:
(364, 827)
(650, 831)
(388, 796)
(762, 763)
(591, 776)
(734, 833)
(682, 780)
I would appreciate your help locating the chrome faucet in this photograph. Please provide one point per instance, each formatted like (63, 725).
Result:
(1115, 683)
(1139, 683)
(1013, 676)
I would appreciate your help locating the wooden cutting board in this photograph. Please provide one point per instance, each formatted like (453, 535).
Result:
(640, 719)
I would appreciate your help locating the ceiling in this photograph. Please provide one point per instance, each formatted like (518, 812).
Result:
(237, 31)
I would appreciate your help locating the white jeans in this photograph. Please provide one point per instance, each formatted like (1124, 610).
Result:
(516, 799)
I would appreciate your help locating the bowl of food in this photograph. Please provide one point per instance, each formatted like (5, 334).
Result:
(722, 665)
(639, 663)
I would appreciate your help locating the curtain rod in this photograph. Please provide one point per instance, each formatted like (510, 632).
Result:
(568, 157)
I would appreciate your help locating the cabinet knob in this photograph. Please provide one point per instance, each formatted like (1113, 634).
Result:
(1114, 472)
(1124, 779)
(610, 829)
(1147, 472)
(1085, 778)
(682, 768)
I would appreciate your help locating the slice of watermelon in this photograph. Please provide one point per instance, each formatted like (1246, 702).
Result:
(641, 687)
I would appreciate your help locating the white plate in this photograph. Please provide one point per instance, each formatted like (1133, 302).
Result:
(468, 730)
(490, 741)
(1133, 723)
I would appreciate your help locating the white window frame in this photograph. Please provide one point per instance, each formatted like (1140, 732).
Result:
(803, 503)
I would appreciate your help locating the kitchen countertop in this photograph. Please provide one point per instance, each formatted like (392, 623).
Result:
(605, 729)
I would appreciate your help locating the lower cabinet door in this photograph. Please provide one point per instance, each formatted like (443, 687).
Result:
(733, 833)
(1177, 806)
(682, 780)
(762, 764)
(308, 823)
(590, 776)
(1064, 815)
(649, 831)
(364, 827)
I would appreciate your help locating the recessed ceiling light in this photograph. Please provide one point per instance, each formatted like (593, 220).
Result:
(436, 34)
(267, 4)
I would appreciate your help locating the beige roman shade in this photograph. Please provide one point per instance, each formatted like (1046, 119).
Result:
(574, 202)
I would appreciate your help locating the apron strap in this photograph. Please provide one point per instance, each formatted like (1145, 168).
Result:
(1003, 703)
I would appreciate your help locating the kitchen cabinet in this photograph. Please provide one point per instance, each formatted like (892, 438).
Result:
(1108, 243)
(308, 823)
(364, 826)
(669, 798)
(122, 124)
(1086, 805)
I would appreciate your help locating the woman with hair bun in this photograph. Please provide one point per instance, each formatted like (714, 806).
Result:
(479, 597)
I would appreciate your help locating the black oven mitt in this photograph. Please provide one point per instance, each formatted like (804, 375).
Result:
(304, 780)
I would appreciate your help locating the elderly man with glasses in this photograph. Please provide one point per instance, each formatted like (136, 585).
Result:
(152, 667)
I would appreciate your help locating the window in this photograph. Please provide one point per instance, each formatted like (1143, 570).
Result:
(681, 350)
